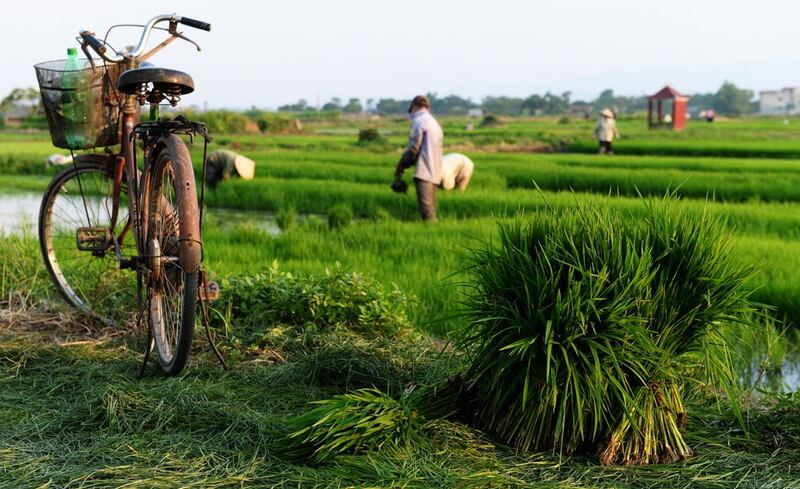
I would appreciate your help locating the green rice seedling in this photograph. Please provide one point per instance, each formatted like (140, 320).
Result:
(339, 216)
(581, 326)
(286, 218)
(381, 215)
(314, 224)
(363, 420)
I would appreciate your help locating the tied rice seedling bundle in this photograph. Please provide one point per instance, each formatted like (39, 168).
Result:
(585, 326)
(356, 422)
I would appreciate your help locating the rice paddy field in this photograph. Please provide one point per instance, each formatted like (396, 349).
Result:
(72, 413)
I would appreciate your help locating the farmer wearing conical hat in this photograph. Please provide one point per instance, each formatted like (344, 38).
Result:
(425, 151)
(606, 131)
(224, 164)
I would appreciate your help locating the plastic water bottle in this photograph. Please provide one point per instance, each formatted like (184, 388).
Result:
(74, 101)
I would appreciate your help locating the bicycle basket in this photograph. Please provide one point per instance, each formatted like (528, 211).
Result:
(82, 106)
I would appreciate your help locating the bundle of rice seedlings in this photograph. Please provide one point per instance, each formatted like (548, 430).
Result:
(584, 326)
(359, 421)
(697, 289)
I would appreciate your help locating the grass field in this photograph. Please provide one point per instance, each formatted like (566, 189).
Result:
(70, 415)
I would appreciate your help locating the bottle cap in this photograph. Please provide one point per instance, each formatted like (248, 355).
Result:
(72, 52)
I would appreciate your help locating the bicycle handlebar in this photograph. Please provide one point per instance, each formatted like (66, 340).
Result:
(94, 42)
(195, 23)
(100, 46)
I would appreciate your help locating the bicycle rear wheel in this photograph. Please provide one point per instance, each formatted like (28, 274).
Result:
(76, 212)
(173, 253)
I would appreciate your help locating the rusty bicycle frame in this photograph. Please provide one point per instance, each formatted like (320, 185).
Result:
(124, 163)
(123, 168)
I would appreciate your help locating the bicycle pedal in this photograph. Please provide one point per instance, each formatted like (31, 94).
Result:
(93, 238)
(210, 292)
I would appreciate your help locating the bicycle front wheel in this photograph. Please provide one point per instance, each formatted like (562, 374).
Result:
(173, 253)
(77, 239)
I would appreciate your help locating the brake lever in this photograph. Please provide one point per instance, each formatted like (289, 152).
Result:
(85, 49)
(180, 35)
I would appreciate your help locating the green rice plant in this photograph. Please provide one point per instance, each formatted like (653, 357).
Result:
(584, 326)
(314, 224)
(23, 280)
(371, 137)
(359, 421)
(339, 216)
(286, 218)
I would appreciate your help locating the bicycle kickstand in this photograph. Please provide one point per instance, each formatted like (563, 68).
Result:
(139, 316)
(204, 299)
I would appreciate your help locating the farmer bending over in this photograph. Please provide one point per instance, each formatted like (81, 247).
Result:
(425, 148)
(224, 164)
(456, 171)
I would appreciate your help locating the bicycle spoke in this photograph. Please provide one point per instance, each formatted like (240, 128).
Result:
(90, 281)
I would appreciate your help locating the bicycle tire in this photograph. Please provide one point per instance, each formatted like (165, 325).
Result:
(80, 196)
(173, 253)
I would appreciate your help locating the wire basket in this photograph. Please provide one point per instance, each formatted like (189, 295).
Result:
(82, 106)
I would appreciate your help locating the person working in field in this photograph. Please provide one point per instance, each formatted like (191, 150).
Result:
(606, 131)
(425, 148)
(456, 171)
(224, 164)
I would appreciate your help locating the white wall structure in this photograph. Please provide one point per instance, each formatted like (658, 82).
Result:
(779, 102)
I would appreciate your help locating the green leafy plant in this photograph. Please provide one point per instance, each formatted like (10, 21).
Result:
(335, 299)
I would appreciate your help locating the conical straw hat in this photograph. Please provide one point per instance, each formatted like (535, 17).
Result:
(245, 167)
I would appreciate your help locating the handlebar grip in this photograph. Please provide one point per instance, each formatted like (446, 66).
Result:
(195, 23)
(94, 42)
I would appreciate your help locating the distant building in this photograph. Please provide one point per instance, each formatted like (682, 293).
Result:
(474, 113)
(17, 111)
(667, 109)
(779, 102)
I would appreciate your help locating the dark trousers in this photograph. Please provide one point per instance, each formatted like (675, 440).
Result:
(426, 199)
(605, 147)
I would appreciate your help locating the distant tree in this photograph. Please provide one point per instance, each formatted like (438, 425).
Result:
(370, 107)
(502, 105)
(388, 106)
(300, 106)
(533, 105)
(353, 106)
(700, 101)
(29, 95)
(452, 105)
(556, 104)
(731, 100)
(335, 105)
(619, 103)
(605, 99)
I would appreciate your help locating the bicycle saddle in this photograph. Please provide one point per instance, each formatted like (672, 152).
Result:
(163, 80)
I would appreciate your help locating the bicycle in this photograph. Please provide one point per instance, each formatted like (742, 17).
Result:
(105, 215)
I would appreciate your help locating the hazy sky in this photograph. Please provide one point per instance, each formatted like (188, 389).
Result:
(272, 52)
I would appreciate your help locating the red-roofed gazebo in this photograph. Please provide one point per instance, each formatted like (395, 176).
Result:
(676, 108)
